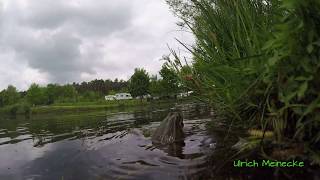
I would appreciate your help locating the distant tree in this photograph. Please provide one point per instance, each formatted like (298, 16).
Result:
(36, 95)
(9, 96)
(53, 93)
(123, 90)
(98, 86)
(139, 83)
(12, 95)
(101, 87)
(170, 80)
(68, 93)
(2, 98)
(184, 9)
(156, 88)
(90, 96)
(112, 92)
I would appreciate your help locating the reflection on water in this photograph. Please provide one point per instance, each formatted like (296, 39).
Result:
(102, 145)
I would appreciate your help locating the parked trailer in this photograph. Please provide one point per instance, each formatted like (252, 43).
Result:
(118, 96)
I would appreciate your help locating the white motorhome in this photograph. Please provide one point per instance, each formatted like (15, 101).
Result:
(118, 96)
(144, 96)
(121, 96)
(110, 97)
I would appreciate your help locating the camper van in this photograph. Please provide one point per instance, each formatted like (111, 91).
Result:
(121, 96)
(118, 96)
(110, 98)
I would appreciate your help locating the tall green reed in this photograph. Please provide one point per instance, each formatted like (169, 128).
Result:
(258, 62)
(228, 56)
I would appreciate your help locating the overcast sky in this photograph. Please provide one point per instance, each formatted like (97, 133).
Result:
(65, 41)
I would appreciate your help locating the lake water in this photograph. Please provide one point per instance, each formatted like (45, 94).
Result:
(103, 145)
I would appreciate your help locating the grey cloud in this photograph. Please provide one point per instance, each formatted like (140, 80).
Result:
(57, 55)
(64, 41)
(48, 35)
(91, 20)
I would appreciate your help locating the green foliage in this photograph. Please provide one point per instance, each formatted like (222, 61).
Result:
(92, 91)
(258, 62)
(170, 80)
(68, 93)
(156, 88)
(53, 92)
(86, 93)
(112, 92)
(182, 8)
(293, 72)
(228, 57)
(101, 87)
(89, 96)
(86, 106)
(168, 85)
(9, 96)
(139, 83)
(36, 95)
(20, 108)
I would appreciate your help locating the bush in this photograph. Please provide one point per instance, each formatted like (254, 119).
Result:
(15, 109)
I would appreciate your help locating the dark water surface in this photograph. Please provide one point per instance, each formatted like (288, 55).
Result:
(103, 145)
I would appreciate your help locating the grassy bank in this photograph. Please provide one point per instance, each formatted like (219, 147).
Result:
(87, 106)
(26, 109)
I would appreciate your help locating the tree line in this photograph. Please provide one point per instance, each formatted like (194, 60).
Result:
(140, 84)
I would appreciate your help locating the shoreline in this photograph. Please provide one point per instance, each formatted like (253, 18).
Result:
(26, 110)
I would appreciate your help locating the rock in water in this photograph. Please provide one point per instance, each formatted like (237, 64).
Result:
(170, 129)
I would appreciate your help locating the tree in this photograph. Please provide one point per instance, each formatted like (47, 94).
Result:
(53, 92)
(139, 83)
(90, 96)
(184, 9)
(2, 98)
(9, 96)
(101, 87)
(170, 80)
(36, 95)
(156, 88)
(68, 93)
(12, 94)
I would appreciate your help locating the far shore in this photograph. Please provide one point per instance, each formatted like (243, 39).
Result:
(85, 106)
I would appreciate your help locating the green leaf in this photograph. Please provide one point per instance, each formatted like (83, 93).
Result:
(302, 90)
(268, 45)
(303, 78)
(310, 48)
(317, 43)
(289, 4)
(298, 110)
(272, 61)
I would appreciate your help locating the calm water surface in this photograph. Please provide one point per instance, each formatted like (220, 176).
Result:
(103, 145)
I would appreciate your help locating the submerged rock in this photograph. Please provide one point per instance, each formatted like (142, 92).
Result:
(170, 130)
